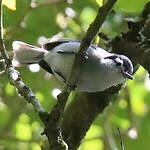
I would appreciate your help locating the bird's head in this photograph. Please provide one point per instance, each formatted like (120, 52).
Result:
(123, 65)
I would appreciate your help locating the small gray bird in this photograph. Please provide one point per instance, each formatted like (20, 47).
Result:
(100, 71)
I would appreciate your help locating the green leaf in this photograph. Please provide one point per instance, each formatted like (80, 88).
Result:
(130, 6)
(87, 15)
(10, 4)
(99, 2)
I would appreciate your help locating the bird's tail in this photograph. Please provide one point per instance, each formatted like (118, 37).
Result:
(25, 54)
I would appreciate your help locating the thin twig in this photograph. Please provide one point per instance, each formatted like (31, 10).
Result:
(107, 127)
(14, 75)
(121, 141)
(2, 64)
(129, 108)
(110, 137)
(3, 48)
(104, 36)
(31, 8)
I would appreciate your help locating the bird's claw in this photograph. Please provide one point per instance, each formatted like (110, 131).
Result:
(72, 87)
(85, 57)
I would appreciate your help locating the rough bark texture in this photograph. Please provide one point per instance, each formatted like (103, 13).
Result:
(53, 126)
(86, 106)
(81, 113)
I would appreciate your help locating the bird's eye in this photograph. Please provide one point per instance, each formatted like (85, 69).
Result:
(118, 63)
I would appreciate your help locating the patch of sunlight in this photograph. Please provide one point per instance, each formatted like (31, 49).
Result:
(140, 71)
(35, 146)
(124, 124)
(137, 94)
(24, 118)
(132, 133)
(22, 146)
(61, 20)
(74, 27)
(138, 91)
(122, 104)
(70, 12)
(94, 131)
(95, 144)
(9, 89)
(87, 15)
(99, 2)
(36, 127)
(2, 105)
(11, 4)
(34, 67)
(56, 92)
(147, 82)
(40, 96)
(4, 114)
(23, 131)
(138, 107)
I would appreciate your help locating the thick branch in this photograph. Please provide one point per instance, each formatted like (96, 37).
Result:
(53, 129)
(88, 38)
(81, 113)
(86, 106)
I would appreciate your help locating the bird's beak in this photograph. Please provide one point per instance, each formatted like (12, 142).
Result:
(127, 75)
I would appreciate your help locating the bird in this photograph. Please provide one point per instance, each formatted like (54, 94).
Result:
(100, 70)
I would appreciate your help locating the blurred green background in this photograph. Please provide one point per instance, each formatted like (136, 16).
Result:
(20, 127)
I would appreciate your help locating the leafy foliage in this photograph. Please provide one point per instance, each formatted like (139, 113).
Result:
(33, 21)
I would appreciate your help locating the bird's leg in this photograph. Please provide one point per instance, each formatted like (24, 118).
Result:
(72, 87)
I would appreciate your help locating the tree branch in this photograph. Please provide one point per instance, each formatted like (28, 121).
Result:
(86, 106)
(88, 38)
(14, 75)
(53, 129)
(82, 111)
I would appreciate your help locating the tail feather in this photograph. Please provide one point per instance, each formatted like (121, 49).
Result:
(25, 54)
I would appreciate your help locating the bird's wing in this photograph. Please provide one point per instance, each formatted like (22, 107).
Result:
(45, 66)
(52, 45)
(65, 52)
